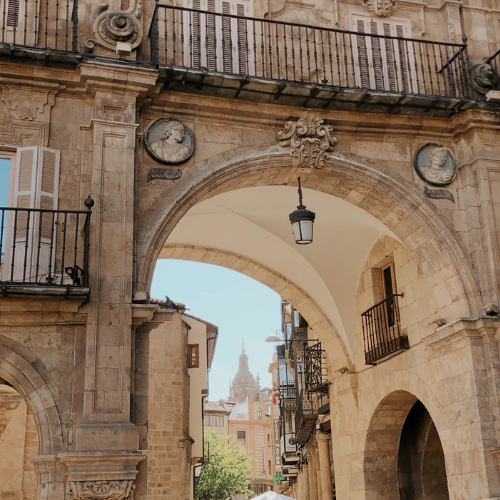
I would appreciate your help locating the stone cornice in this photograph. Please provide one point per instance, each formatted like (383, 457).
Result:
(464, 331)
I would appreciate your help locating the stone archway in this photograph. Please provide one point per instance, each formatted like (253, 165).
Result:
(432, 240)
(394, 202)
(18, 371)
(403, 456)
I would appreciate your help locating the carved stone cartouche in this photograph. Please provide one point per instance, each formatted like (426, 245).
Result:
(100, 490)
(380, 8)
(309, 141)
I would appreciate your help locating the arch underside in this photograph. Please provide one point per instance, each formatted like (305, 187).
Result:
(392, 201)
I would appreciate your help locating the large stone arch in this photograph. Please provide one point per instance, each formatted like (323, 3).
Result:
(394, 201)
(17, 368)
(335, 349)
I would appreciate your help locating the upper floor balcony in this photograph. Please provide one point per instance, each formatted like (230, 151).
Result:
(233, 55)
(44, 251)
(382, 333)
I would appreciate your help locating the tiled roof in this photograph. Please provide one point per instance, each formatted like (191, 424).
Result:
(213, 406)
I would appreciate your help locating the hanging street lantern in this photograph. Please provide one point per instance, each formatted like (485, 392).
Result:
(302, 222)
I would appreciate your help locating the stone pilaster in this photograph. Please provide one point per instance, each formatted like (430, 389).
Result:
(305, 483)
(51, 477)
(313, 482)
(109, 144)
(324, 466)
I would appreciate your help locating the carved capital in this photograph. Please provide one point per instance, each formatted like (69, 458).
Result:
(100, 490)
(309, 140)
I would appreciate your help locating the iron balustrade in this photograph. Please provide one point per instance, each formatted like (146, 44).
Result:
(494, 62)
(44, 247)
(315, 367)
(290, 52)
(305, 417)
(382, 330)
(287, 392)
(46, 24)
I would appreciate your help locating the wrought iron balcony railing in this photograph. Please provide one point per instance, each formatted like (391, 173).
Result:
(44, 247)
(382, 331)
(43, 24)
(305, 417)
(289, 52)
(315, 368)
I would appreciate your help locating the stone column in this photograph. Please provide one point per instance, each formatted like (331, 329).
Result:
(305, 483)
(324, 466)
(317, 470)
(313, 482)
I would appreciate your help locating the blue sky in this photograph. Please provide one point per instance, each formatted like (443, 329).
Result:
(240, 306)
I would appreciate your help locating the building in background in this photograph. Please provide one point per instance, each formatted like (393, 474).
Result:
(215, 417)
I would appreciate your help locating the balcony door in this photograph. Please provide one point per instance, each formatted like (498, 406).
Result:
(216, 42)
(20, 22)
(385, 64)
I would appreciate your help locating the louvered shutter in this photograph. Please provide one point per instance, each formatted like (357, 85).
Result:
(46, 198)
(383, 64)
(18, 233)
(20, 21)
(30, 241)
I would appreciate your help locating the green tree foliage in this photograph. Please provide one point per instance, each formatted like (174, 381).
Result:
(226, 470)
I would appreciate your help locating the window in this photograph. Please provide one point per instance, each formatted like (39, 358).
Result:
(214, 420)
(193, 355)
(240, 436)
(384, 63)
(259, 414)
(35, 185)
(268, 438)
(216, 42)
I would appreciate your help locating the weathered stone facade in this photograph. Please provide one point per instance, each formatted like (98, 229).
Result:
(78, 357)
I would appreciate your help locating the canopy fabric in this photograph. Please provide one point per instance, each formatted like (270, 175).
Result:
(272, 495)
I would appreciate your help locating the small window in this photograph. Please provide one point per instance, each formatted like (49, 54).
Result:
(240, 435)
(268, 438)
(388, 280)
(193, 355)
(259, 414)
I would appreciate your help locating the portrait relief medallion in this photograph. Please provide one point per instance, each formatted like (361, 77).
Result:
(435, 164)
(169, 141)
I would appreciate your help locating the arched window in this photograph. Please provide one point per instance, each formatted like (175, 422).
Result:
(259, 414)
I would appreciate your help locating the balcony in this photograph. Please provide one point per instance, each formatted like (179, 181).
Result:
(261, 59)
(235, 56)
(44, 251)
(382, 331)
(305, 417)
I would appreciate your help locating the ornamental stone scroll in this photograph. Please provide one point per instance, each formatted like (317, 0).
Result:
(309, 140)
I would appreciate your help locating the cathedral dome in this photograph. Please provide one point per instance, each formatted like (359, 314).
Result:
(244, 377)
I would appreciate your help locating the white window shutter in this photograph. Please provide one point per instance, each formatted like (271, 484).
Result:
(46, 198)
(18, 252)
(36, 185)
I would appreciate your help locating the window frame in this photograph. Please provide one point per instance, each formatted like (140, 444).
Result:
(193, 361)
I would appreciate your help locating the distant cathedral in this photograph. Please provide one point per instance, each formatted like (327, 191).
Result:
(244, 387)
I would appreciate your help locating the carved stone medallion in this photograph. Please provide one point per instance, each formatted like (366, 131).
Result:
(309, 141)
(482, 76)
(435, 164)
(380, 8)
(169, 141)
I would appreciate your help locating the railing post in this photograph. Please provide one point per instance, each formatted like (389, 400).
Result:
(74, 20)
(154, 40)
(467, 69)
(89, 203)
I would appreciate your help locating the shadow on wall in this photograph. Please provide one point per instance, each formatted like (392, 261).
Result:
(422, 471)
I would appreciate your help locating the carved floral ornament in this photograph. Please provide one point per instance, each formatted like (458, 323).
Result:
(380, 8)
(310, 141)
(100, 490)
